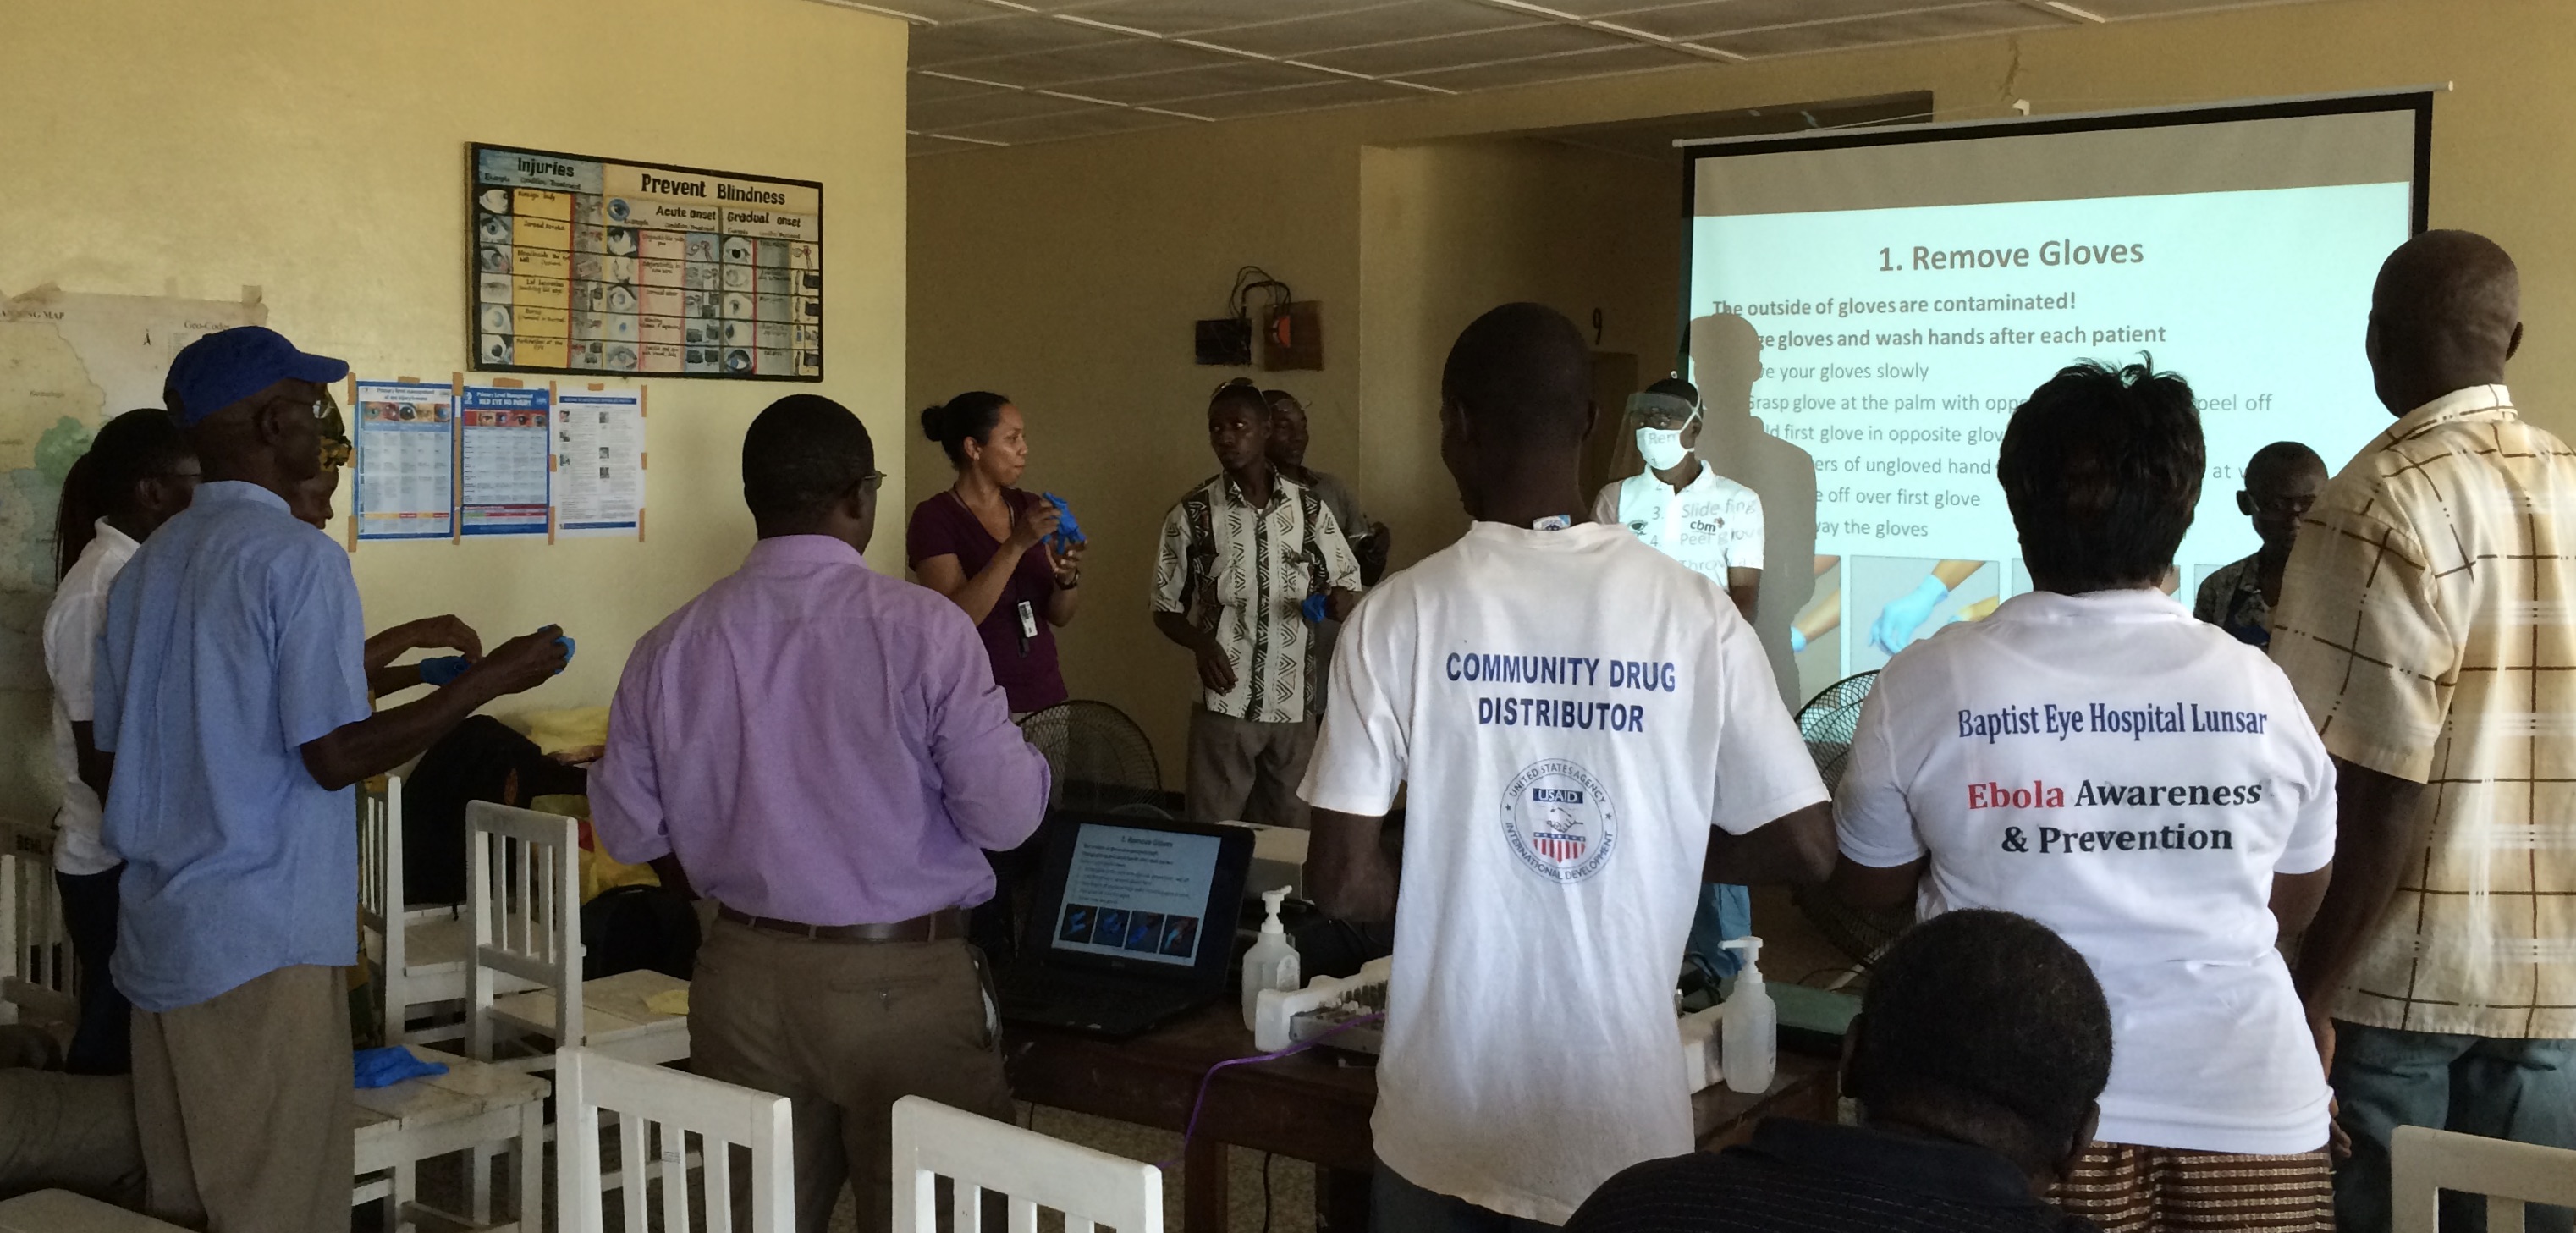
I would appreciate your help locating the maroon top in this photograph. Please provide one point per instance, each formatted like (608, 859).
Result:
(1026, 670)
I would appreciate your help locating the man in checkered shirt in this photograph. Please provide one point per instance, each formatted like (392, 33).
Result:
(2428, 620)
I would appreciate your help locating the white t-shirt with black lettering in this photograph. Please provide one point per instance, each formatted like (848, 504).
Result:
(2131, 778)
(1572, 721)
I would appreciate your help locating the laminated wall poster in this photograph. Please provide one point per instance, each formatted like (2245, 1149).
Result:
(589, 265)
(599, 462)
(406, 460)
(502, 454)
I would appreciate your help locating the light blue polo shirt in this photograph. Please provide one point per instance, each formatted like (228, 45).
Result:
(232, 639)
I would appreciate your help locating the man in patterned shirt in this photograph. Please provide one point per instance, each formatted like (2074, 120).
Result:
(2428, 620)
(1249, 561)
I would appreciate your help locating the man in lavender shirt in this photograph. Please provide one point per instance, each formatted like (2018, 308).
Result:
(824, 752)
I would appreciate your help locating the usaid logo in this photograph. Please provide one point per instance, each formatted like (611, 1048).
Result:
(1559, 822)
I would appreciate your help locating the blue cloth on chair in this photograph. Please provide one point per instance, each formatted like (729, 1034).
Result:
(393, 1064)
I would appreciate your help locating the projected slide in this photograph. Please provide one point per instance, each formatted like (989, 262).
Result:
(1890, 346)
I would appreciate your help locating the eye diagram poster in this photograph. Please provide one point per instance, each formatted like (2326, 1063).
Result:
(406, 460)
(503, 446)
(599, 462)
(587, 265)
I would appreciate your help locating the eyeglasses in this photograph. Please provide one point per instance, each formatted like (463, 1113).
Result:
(1663, 418)
(872, 481)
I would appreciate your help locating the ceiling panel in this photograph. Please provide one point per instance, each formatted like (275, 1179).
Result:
(1431, 55)
(1706, 17)
(1338, 92)
(924, 11)
(1231, 59)
(1387, 23)
(1198, 16)
(955, 113)
(1087, 122)
(1064, 69)
(1625, 58)
(933, 46)
(1236, 77)
(1948, 22)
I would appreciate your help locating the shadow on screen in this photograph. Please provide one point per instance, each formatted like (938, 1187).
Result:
(1726, 363)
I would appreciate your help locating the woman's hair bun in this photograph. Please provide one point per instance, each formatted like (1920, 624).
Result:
(931, 426)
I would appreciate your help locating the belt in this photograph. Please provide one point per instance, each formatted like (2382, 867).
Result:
(939, 925)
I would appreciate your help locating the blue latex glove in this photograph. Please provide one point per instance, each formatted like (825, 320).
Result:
(1898, 621)
(1067, 531)
(442, 669)
(391, 1065)
(1318, 609)
(1797, 640)
(566, 640)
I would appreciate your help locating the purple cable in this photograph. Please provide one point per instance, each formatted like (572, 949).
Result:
(1192, 1128)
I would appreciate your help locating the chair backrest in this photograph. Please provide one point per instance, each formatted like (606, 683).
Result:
(523, 891)
(380, 897)
(1091, 1188)
(658, 1113)
(2424, 1162)
(37, 972)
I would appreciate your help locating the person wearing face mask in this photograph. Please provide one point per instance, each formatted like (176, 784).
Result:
(1681, 506)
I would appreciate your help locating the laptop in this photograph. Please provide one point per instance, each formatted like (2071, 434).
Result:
(1134, 924)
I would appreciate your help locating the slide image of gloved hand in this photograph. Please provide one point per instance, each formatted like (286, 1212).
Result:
(1898, 621)
(1818, 620)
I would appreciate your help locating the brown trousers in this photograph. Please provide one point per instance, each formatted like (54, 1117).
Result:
(242, 1106)
(2126, 1188)
(843, 1030)
(1241, 771)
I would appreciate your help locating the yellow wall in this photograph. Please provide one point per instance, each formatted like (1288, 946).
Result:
(1067, 275)
(316, 149)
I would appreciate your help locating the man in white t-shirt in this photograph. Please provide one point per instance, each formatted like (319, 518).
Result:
(1681, 506)
(1582, 747)
(2140, 782)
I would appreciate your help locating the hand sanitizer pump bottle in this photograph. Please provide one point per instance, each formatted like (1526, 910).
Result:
(1749, 1026)
(1272, 961)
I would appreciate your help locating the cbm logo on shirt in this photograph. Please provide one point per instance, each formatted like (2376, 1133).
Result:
(1558, 821)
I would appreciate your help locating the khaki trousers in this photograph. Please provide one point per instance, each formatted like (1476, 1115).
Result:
(1241, 771)
(843, 1030)
(242, 1106)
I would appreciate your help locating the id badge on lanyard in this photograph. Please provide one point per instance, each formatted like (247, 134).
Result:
(1028, 625)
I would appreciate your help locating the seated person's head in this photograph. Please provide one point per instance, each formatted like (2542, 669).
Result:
(1984, 1027)
(808, 468)
(2281, 483)
(1515, 399)
(2102, 469)
(1238, 421)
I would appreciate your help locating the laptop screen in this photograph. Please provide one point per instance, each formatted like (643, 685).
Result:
(1138, 894)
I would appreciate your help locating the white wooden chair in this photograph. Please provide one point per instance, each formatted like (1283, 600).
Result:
(475, 1107)
(419, 969)
(664, 1119)
(2424, 1162)
(523, 900)
(37, 977)
(1091, 1188)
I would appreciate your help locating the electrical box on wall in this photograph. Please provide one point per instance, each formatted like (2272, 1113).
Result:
(1295, 337)
(1225, 340)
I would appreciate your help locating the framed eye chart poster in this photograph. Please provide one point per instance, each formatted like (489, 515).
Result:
(589, 265)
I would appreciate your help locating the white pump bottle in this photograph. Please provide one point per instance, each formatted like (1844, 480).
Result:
(1748, 1026)
(1272, 961)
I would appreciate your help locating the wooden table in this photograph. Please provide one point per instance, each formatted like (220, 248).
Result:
(1306, 1107)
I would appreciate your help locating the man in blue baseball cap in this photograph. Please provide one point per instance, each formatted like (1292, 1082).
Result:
(232, 696)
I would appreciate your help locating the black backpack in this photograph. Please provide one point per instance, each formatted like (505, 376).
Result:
(481, 760)
(630, 927)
